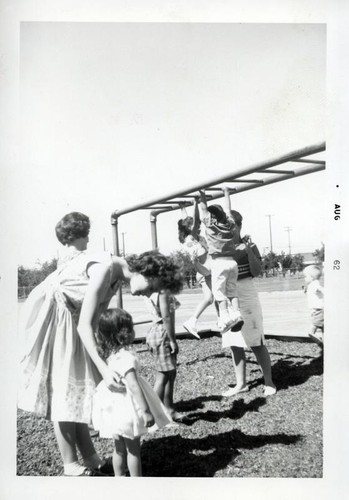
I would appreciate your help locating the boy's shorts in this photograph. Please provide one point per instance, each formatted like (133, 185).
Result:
(317, 318)
(158, 343)
(224, 278)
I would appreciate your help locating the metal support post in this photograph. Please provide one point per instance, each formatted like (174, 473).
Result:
(116, 248)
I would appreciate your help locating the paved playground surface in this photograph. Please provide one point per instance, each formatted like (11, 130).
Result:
(285, 313)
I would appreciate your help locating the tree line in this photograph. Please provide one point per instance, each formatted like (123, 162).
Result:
(272, 263)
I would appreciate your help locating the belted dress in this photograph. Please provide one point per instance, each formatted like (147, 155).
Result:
(57, 376)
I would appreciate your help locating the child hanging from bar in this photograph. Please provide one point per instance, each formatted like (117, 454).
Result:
(220, 226)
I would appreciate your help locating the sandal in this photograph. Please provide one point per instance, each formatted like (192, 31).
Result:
(106, 468)
(87, 473)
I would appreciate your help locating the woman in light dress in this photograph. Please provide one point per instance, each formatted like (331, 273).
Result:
(60, 367)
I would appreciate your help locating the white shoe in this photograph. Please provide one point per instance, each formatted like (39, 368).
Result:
(269, 390)
(191, 328)
(233, 391)
(226, 326)
(237, 321)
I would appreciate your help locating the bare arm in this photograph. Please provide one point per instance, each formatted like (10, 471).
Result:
(184, 213)
(203, 212)
(168, 319)
(254, 258)
(227, 203)
(196, 220)
(133, 385)
(99, 280)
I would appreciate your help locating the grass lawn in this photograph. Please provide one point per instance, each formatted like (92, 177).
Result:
(245, 436)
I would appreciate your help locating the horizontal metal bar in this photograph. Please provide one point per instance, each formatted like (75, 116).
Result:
(240, 172)
(154, 207)
(142, 322)
(316, 162)
(267, 171)
(252, 181)
(270, 180)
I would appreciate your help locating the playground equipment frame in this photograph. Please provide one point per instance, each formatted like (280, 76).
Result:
(223, 186)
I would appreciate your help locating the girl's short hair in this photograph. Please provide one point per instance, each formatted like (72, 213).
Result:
(153, 264)
(72, 227)
(312, 271)
(115, 330)
(185, 227)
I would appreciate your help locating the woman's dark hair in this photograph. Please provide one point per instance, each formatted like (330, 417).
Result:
(237, 217)
(184, 228)
(115, 330)
(72, 227)
(153, 264)
(218, 212)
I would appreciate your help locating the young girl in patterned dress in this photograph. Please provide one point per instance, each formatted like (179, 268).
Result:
(124, 416)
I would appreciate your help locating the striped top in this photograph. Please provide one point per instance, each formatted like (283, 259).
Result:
(219, 236)
(241, 258)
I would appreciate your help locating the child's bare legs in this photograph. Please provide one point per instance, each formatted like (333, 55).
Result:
(191, 324)
(134, 464)
(206, 301)
(223, 307)
(164, 388)
(234, 302)
(127, 451)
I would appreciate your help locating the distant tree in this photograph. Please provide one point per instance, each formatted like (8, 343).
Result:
(319, 254)
(285, 261)
(297, 262)
(183, 259)
(31, 277)
(270, 262)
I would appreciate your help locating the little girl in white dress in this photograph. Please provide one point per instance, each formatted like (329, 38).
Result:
(124, 416)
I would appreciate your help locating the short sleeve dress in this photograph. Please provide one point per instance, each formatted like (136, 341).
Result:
(57, 375)
(117, 413)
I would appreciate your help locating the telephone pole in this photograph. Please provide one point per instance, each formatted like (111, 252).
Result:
(123, 244)
(270, 236)
(289, 229)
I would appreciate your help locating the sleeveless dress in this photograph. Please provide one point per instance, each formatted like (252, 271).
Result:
(117, 413)
(57, 375)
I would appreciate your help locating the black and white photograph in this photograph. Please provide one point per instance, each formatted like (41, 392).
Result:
(177, 278)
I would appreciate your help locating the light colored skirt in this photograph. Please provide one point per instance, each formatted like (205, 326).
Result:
(251, 334)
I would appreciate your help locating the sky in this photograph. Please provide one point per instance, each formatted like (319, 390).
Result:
(116, 113)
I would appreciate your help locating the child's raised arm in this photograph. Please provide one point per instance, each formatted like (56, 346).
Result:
(133, 385)
(203, 205)
(227, 203)
(196, 219)
(184, 213)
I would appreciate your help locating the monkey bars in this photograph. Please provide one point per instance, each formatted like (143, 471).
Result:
(294, 164)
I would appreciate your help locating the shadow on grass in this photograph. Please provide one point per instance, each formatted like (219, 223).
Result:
(236, 411)
(177, 456)
(289, 370)
(288, 373)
